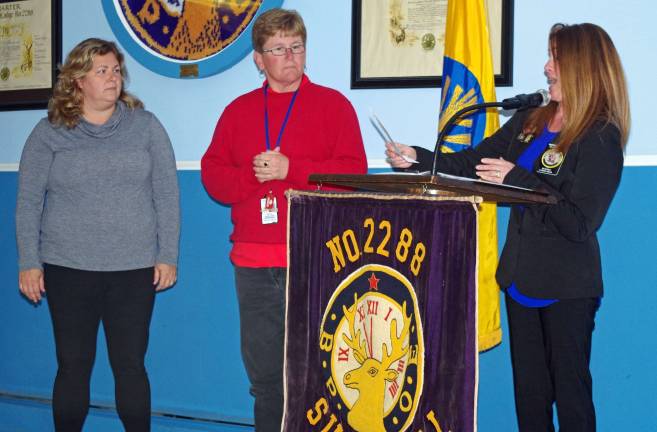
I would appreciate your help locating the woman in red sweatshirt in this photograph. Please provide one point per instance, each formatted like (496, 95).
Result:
(266, 142)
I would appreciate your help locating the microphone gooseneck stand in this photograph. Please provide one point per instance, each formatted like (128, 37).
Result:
(454, 118)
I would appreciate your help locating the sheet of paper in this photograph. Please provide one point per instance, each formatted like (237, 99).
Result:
(383, 132)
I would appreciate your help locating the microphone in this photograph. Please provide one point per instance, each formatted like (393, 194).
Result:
(538, 99)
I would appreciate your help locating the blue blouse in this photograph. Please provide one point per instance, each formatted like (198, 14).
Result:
(526, 161)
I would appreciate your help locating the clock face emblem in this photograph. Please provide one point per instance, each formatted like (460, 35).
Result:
(173, 36)
(375, 362)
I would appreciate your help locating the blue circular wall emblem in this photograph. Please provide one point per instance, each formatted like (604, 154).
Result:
(185, 38)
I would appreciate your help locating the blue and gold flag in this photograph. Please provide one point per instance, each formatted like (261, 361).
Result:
(468, 78)
(381, 313)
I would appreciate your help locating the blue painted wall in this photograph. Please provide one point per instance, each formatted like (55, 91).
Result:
(194, 360)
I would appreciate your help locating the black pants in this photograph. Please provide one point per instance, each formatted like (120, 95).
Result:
(261, 295)
(78, 301)
(550, 351)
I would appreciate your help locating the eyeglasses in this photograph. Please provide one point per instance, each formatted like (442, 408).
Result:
(297, 48)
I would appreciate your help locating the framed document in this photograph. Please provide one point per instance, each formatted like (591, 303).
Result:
(30, 50)
(399, 43)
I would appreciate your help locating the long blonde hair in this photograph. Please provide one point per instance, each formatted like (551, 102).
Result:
(593, 85)
(65, 106)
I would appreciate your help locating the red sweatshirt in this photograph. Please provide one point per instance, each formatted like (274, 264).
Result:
(322, 135)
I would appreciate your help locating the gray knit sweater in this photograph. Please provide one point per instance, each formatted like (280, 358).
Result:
(102, 198)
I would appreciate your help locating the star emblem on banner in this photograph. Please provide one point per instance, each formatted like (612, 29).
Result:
(374, 283)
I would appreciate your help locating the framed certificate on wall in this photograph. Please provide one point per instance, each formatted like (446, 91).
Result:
(30, 50)
(399, 43)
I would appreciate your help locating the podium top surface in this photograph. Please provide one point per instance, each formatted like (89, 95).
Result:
(421, 184)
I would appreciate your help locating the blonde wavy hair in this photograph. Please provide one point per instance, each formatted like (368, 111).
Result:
(593, 84)
(65, 105)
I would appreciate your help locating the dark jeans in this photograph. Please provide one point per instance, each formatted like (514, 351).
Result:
(261, 295)
(78, 301)
(550, 351)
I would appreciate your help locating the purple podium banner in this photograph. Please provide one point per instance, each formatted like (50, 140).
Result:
(381, 313)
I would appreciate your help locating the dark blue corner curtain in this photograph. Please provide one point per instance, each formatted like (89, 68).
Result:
(381, 313)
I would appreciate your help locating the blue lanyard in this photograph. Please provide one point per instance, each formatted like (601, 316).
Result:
(527, 158)
(287, 116)
(538, 145)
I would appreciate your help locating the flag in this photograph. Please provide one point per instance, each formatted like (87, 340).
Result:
(468, 78)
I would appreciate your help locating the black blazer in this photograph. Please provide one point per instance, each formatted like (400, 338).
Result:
(551, 251)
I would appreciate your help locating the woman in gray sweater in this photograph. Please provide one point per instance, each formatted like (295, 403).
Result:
(97, 226)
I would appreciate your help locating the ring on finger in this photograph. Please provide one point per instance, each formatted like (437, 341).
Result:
(265, 164)
(498, 174)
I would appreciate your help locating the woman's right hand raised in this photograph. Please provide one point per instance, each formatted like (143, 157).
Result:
(394, 159)
(30, 282)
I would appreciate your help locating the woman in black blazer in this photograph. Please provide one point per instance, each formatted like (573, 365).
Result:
(550, 265)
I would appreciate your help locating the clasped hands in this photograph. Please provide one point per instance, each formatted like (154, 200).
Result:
(271, 165)
(490, 169)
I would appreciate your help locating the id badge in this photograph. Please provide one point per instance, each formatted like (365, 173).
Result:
(551, 161)
(269, 209)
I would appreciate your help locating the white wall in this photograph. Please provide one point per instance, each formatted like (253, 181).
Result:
(189, 108)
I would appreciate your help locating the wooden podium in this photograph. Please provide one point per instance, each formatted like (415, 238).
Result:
(444, 185)
(342, 245)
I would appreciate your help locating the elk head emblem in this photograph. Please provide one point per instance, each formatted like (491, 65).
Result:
(370, 378)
